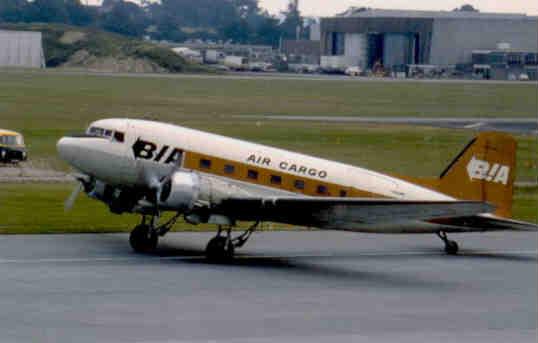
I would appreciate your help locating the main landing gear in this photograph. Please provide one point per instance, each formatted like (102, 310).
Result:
(221, 248)
(145, 237)
(451, 247)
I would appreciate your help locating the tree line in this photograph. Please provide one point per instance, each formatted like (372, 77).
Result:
(238, 21)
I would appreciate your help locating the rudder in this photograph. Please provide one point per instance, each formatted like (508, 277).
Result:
(484, 171)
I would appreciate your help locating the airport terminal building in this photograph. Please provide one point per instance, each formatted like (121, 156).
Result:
(401, 38)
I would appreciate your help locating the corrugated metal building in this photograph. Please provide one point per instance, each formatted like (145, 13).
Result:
(397, 37)
(21, 49)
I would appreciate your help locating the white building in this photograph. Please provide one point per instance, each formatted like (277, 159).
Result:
(21, 49)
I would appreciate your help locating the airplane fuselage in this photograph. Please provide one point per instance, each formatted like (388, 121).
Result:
(149, 151)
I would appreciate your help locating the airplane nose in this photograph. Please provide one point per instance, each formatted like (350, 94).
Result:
(67, 149)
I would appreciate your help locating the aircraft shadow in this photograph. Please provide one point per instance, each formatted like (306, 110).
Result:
(309, 267)
(326, 268)
(477, 254)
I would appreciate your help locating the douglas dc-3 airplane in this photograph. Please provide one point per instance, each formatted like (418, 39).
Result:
(147, 167)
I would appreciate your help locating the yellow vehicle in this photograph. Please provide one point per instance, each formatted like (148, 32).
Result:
(12, 148)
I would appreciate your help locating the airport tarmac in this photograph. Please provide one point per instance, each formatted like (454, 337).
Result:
(267, 76)
(511, 125)
(310, 286)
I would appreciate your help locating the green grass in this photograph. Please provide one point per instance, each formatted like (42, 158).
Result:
(46, 105)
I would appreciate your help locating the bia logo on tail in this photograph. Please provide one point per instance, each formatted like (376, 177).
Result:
(483, 170)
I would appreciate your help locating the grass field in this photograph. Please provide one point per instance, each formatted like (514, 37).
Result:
(45, 106)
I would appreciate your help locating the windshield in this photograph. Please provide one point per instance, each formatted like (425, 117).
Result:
(11, 140)
(106, 133)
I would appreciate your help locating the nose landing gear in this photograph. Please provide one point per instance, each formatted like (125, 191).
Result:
(143, 239)
(451, 247)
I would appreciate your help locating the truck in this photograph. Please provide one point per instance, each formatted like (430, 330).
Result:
(236, 62)
(12, 147)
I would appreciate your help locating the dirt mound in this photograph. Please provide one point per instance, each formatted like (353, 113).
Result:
(71, 37)
(83, 59)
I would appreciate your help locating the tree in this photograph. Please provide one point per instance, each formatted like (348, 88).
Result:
(268, 32)
(125, 18)
(48, 11)
(292, 21)
(238, 32)
(466, 8)
(79, 14)
(12, 10)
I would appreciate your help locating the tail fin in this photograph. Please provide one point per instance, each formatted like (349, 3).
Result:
(484, 171)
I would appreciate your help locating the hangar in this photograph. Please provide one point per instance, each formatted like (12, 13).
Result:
(21, 49)
(394, 38)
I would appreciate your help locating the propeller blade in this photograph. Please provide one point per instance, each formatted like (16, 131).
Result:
(70, 201)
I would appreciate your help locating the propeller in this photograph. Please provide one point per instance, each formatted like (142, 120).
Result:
(83, 183)
(70, 201)
(159, 186)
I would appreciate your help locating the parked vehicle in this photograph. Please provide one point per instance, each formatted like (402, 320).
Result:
(353, 71)
(236, 62)
(12, 148)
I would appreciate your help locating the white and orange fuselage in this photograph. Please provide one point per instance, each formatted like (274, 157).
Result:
(139, 153)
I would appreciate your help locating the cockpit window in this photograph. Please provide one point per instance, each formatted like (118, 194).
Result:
(96, 131)
(106, 133)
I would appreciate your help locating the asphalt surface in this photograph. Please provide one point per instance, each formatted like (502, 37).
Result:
(284, 287)
(264, 76)
(512, 125)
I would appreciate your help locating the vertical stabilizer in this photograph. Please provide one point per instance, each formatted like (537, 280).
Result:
(484, 171)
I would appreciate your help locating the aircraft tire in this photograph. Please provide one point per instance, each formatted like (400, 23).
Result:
(219, 249)
(141, 240)
(451, 247)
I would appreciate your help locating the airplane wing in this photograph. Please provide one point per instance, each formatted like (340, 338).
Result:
(489, 222)
(327, 212)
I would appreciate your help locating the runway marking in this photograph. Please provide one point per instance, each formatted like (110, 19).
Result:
(474, 126)
(247, 257)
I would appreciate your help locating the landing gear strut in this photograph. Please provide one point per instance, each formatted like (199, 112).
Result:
(145, 237)
(451, 247)
(222, 246)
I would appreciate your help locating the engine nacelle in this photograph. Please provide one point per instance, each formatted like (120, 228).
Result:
(184, 190)
(119, 200)
(181, 192)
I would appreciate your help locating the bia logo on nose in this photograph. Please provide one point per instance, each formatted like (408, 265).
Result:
(483, 170)
(146, 150)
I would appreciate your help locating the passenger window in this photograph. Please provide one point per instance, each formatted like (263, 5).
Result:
(205, 164)
(299, 184)
(343, 193)
(252, 174)
(108, 133)
(276, 180)
(119, 136)
(229, 169)
(322, 189)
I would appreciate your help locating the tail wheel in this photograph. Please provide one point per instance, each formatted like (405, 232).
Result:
(451, 247)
